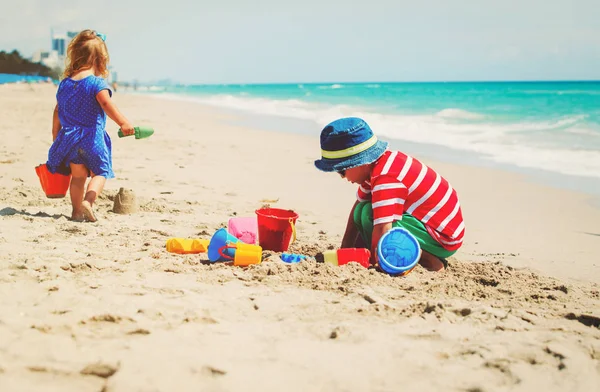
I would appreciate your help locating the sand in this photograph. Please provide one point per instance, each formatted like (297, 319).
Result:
(104, 307)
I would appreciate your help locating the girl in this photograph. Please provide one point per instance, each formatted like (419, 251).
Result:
(81, 147)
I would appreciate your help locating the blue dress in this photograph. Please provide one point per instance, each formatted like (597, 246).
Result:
(82, 138)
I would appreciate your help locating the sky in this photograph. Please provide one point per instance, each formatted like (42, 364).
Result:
(278, 41)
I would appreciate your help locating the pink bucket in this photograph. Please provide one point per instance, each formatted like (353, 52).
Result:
(244, 229)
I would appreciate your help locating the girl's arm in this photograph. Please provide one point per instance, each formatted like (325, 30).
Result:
(55, 123)
(103, 98)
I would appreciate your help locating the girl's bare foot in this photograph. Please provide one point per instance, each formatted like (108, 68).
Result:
(88, 212)
(77, 217)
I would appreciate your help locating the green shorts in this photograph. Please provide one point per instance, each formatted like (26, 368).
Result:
(363, 219)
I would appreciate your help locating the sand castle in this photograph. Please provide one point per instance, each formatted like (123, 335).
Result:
(125, 202)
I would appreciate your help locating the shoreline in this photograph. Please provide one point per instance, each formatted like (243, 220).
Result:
(575, 183)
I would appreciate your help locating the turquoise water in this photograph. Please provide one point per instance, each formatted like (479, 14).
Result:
(553, 126)
(9, 78)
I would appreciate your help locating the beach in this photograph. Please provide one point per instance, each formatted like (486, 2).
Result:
(104, 306)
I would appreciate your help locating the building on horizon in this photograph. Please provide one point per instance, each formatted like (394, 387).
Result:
(112, 75)
(55, 57)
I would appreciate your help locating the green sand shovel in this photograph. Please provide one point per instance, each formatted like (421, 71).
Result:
(140, 132)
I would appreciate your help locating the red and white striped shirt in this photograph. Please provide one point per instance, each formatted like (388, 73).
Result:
(401, 184)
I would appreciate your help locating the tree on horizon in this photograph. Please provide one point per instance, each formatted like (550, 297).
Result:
(15, 64)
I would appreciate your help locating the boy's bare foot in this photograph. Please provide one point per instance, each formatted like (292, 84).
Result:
(431, 262)
(88, 212)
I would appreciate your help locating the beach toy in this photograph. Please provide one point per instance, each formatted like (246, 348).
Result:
(276, 228)
(220, 239)
(398, 251)
(186, 246)
(344, 256)
(244, 229)
(140, 132)
(291, 258)
(243, 255)
(55, 185)
(125, 202)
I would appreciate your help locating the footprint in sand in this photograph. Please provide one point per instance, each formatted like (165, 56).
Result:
(102, 370)
(214, 372)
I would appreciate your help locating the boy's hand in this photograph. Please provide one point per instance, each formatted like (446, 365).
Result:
(375, 259)
(127, 129)
(378, 231)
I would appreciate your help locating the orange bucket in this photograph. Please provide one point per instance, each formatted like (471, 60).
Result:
(54, 185)
(276, 228)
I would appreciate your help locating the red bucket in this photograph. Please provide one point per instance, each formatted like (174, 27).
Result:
(276, 227)
(54, 185)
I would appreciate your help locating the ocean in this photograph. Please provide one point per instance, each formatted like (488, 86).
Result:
(551, 126)
(10, 78)
(548, 127)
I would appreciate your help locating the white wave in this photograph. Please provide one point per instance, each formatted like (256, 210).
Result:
(459, 114)
(578, 92)
(331, 87)
(492, 142)
(503, 143)
(153, 89)
(584, 131)
(529, 126)
(568, 121)
(561, 92)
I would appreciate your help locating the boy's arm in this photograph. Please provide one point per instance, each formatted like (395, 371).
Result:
(388, 199)
(351, 232)
(103, 98)
(55, 123)
(378, 231)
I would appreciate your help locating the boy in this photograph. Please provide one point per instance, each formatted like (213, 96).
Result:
(395, 190)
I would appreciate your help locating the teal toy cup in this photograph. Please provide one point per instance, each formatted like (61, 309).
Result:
(219, 240)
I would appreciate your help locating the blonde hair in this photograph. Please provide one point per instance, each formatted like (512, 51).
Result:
(87, 50)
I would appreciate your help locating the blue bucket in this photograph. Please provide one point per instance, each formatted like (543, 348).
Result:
(398, 251)
(220, 239)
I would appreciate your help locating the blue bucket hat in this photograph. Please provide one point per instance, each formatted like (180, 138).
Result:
(347, 143)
